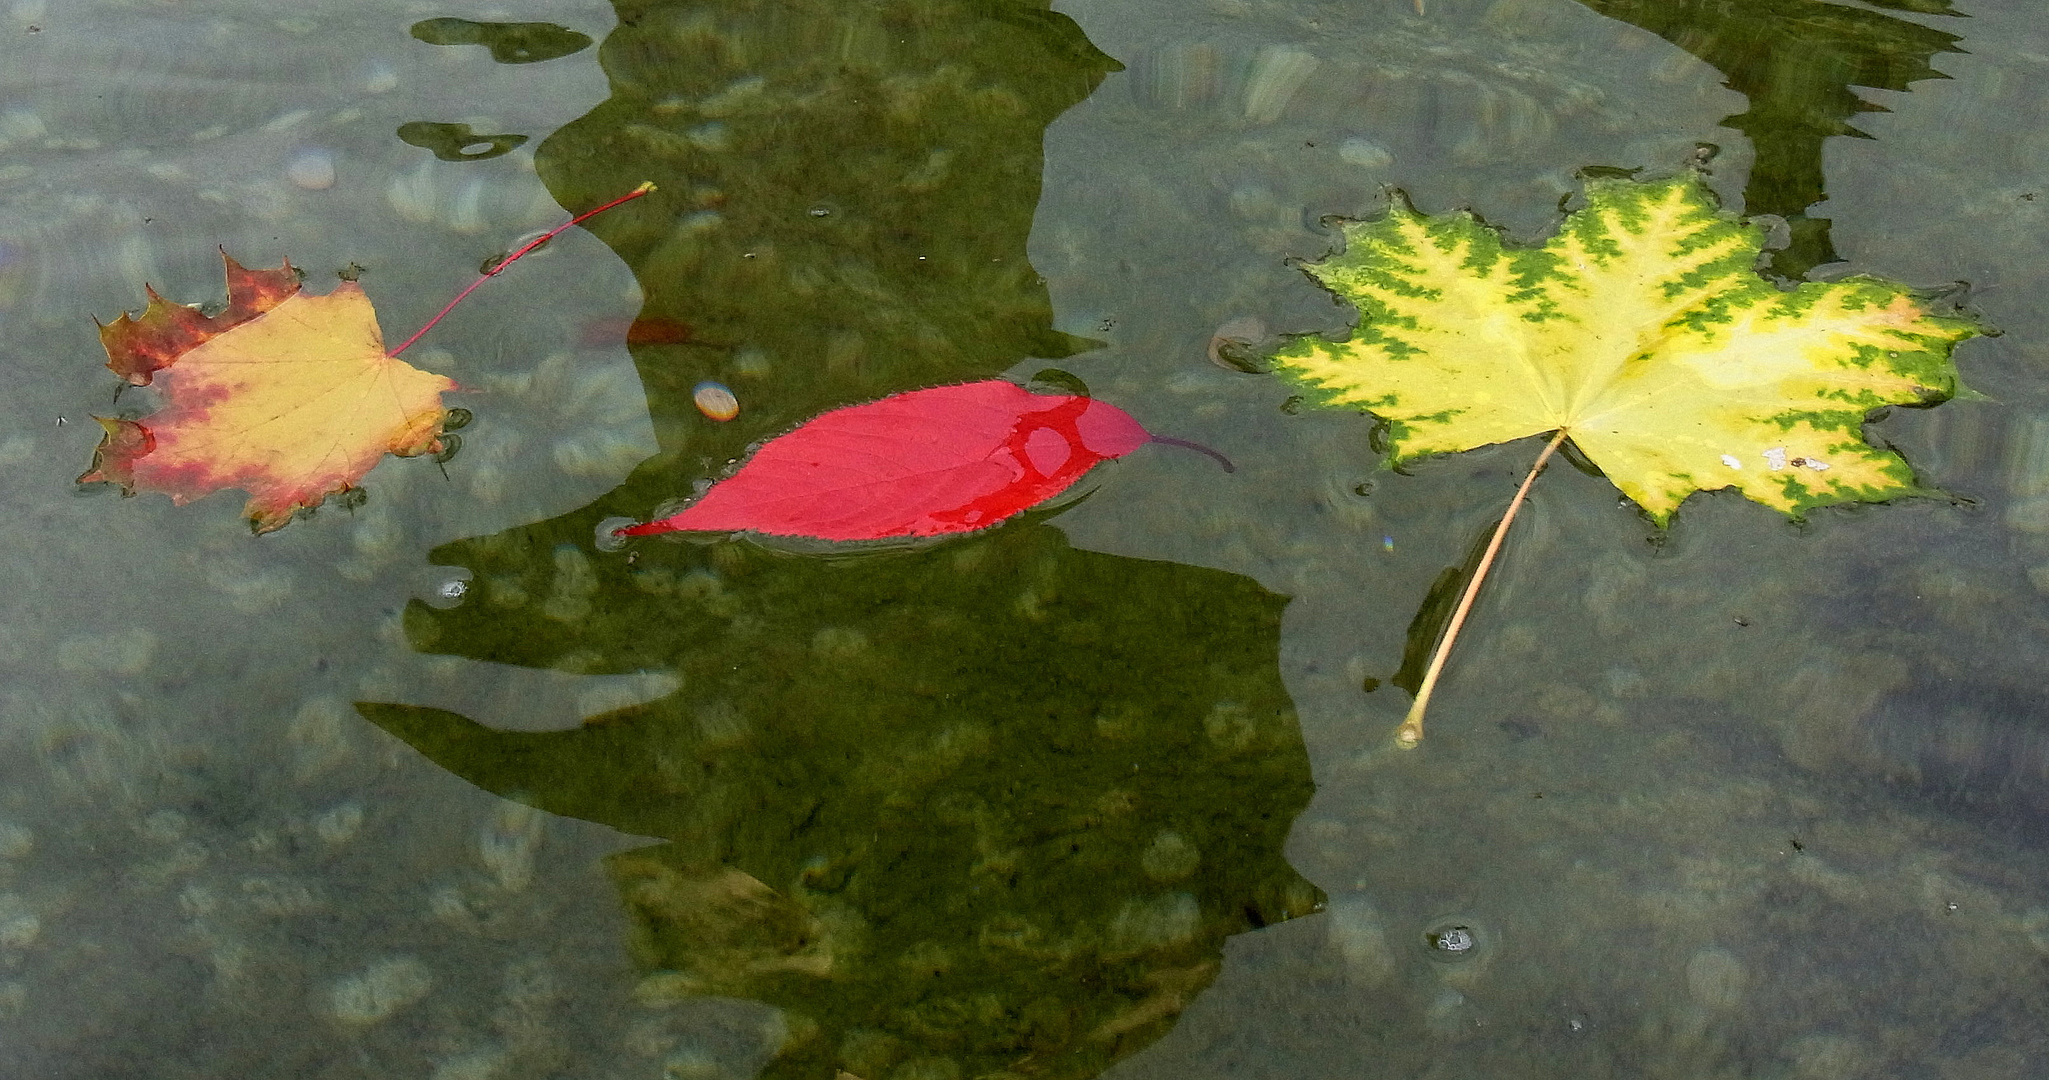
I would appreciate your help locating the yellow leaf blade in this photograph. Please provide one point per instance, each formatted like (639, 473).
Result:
(1643, 331)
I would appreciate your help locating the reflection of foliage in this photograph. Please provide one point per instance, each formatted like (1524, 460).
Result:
(450, 142)
(985, 807)
(1797, 61)
(510, 43)
(848, 187)
(997, 801)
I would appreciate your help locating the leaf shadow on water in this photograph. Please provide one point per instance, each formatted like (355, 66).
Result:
(987, 806)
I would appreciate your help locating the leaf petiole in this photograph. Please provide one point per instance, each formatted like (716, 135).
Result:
(1187, 444)
(1411, 732)
(645, 187)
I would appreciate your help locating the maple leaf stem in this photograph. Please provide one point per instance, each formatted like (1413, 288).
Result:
(1411, 731)
(1187, 444)
(645, 187)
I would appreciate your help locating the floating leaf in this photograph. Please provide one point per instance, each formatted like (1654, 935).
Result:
(286, 396)
(1643, 333)
(950, 459)
(137, 348)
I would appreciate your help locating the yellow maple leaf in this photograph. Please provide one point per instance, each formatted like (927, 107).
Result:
(1642, 332)
(292, 400)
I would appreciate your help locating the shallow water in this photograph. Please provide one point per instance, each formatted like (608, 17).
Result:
(1098, 790)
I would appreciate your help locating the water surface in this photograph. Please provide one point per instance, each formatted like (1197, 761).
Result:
(1104, 789)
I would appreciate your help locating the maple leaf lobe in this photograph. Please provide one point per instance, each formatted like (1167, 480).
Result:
(138, 347)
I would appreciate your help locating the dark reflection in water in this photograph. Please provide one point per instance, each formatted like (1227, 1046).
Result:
(510, 43)
(997, 802)
(457, 142)
(845, 194)
(1799, 62)
(985, 808)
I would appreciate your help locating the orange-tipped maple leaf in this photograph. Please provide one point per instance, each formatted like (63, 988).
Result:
(286, 396)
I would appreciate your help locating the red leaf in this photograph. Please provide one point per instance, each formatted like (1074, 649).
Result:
(946, 460)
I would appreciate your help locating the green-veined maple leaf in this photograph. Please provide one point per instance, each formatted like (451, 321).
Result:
(1643, 333)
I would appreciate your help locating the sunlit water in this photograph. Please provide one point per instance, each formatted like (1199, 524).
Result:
(1734, 799)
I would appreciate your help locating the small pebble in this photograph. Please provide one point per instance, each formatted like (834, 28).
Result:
(715, 401)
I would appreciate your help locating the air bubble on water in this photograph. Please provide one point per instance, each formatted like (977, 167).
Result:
(608, 537)
(1454, 939)
(451, 589)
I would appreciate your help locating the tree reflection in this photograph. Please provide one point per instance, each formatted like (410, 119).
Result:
(984, 807)
(1799, 62)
